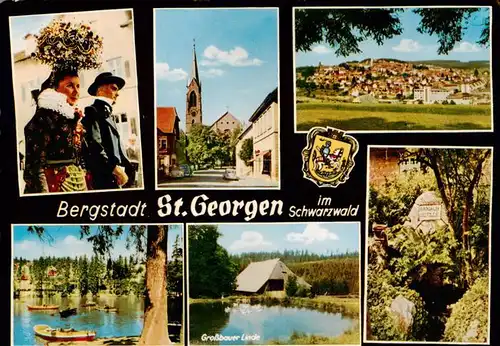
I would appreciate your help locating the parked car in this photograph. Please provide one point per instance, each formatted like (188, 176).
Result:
(188, 171)
(176, 172)
(230, 174)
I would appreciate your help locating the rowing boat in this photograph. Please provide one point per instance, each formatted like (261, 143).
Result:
(43, 307)
(107, 309)
(68, 312)
(50, 334)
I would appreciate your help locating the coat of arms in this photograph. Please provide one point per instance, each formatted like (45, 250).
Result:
(329, 156)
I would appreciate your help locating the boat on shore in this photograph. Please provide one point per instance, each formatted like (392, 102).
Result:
(43, 307)
(89, 304)
(50, 334)
(67, 312)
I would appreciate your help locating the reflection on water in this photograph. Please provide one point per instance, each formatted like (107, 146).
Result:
(268, 322)
(127, 321)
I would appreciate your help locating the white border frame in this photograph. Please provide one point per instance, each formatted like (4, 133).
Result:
(139, 130)
(184, 265)
(365, 303)
(261, 224)
(173, 187)
(391, 131)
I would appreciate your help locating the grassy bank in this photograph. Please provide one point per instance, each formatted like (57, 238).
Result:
(353, 117)
(348, 305)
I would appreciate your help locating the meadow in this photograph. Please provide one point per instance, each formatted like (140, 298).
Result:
(392, 117)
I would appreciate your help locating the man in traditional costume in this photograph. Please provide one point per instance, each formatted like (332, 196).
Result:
(105, 157)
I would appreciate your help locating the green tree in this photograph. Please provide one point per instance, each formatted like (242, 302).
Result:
(175, 268)
(458, 173)
(306, 71)
(96, 273)
(206, 147)
(291, 286)
(83, 275)
(345, 29)
(232, 144)
(246, 151)
(180, 149)
(212, 273)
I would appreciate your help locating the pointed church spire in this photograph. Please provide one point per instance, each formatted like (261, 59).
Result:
(194, 69)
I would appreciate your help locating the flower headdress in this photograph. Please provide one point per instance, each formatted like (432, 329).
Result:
(68, 46)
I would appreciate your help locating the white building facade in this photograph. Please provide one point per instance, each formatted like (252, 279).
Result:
(265, 133)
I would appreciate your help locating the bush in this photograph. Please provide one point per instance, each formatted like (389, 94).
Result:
(291, 286)
(383, 324)
(391, 203)
(303, 292)
(468, 321)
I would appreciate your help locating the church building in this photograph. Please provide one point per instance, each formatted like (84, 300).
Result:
(226, 123)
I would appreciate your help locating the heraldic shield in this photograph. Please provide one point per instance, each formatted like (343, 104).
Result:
(329, 156)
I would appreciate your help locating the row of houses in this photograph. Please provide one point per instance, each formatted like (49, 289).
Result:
(392, 79)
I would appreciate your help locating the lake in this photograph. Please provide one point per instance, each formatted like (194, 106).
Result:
(127, 321)
(267, 322)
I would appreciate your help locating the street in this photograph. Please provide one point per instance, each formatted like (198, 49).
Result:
(212, 178)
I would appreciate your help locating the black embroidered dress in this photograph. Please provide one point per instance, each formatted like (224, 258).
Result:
(53, 162)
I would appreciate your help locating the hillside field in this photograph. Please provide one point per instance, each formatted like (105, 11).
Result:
(383, 117)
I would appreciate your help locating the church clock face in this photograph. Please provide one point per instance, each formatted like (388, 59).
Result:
(193, 114)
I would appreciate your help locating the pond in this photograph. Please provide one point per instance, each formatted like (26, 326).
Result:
(127, 321)
(259, 323)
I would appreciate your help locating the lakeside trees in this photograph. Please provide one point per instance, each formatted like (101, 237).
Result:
(153, 240)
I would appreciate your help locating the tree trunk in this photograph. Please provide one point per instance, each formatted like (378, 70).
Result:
(468, 205)
(155, 330)
(465, 242)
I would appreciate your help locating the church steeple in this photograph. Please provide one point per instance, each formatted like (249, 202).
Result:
(193, 96)
(194, 68)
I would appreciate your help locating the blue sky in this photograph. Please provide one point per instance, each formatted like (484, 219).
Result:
(237, 53)
(20, 26)
(66, 242)
(319, 238)
(410, 45)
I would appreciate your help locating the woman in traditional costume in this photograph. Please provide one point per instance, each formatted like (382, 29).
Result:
(54, 135)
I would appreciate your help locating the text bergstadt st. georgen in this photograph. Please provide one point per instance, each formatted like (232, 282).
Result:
(201, 205)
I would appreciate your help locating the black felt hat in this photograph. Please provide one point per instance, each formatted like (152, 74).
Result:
(105, 78)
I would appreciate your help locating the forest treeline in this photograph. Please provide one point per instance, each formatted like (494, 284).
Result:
(92, 274)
